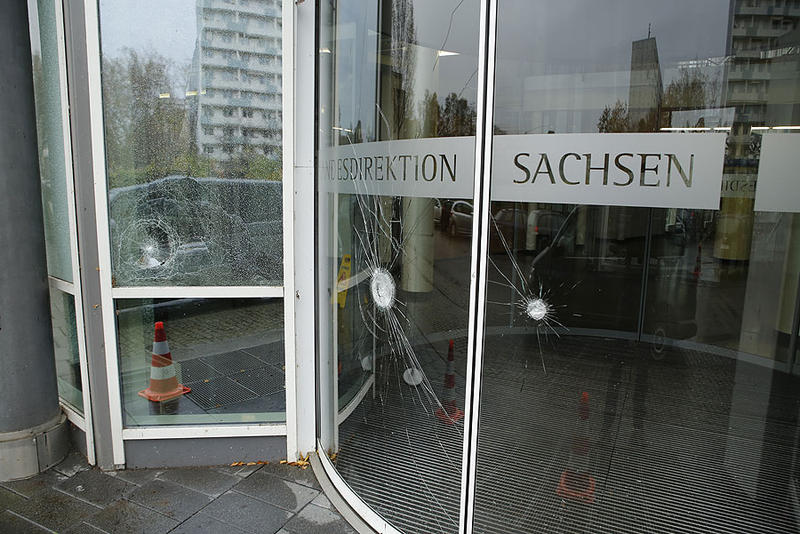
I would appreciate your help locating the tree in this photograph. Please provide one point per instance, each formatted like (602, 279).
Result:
(692, 89)
(614, 120)
(458, 117)
(145, 119)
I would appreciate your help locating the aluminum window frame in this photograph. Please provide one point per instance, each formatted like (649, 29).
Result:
(109, 293)
(81, 420)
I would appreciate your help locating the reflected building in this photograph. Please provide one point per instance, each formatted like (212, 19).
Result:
(761, 59)
(757, 30)
(645, 87)
(237, 68)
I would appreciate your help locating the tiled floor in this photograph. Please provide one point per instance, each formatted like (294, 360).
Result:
(73, 498)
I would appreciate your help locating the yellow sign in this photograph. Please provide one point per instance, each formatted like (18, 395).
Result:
(344, 274)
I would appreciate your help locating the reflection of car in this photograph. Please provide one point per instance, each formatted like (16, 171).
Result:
(593, 270)
(460, 218)
(437, 212)
(511, 224)
(180, 229)
(523, 230)
(542, 226)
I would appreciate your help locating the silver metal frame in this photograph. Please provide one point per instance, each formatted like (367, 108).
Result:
(478, 268)
(109, 293)
(74, 288)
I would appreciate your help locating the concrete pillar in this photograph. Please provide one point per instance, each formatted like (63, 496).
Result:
(33, 432)
(418, 250)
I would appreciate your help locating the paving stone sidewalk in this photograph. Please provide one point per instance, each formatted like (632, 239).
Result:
(73, 498)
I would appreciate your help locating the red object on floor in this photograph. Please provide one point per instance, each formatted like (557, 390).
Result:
(164, 384)
(576, 483)
(449, 413)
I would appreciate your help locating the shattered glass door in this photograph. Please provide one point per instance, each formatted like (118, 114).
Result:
(635, 368)
(638, 357)
(396, 147)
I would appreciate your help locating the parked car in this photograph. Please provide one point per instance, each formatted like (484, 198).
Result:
(460, 218)
(190, 230)
(542, 226)
(511, 225)
(528, 231)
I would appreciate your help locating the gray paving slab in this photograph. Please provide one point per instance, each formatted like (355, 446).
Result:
(29, 486)
(240, 471)
(294, 474)
(9, 498)
(317, 520)
(136, 476)
(84, 528)
(95, 486)
(274, 490)
(170, 499)
(125, 517)
(54, 510)
(72, 464)
(247, 513)
(208, 481)
(205, 524)
(322, 501)
(12, 523)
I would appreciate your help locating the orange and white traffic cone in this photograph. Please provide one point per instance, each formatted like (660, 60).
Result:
(163, 381)
(449, 413)
(576, 483)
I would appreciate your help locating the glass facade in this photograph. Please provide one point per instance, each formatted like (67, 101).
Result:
(593, 330)
(192, 109)
(65, 346)
(636, 321)
(53, 161)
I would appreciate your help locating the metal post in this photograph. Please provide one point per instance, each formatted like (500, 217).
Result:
(33, 433)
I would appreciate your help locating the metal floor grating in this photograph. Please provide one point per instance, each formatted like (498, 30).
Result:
(263, 381)
(195, 371)
(271, 353)
(218, 392)
(677, 445)
(233, 362)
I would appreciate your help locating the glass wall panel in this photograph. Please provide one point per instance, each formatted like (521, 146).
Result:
(65, 346)
(397, 118)
(197, 361)
(192, 96)
(640, 299)
(50, 134)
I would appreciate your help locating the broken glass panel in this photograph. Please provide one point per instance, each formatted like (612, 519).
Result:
(637, 371)
(192, 116)
(395, 180)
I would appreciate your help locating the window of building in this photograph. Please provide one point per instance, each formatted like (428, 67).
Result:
(186, 214)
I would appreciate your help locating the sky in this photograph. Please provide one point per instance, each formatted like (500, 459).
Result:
(168, 27)
(534, 36)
